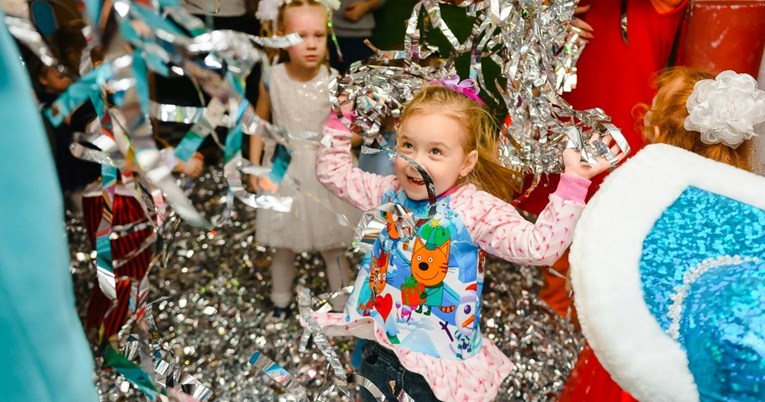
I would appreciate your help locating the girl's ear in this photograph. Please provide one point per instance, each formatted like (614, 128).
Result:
(470, 160)
(42, 77)
(652, 135)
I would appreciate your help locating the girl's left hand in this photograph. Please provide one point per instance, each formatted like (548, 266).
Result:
(574, 166)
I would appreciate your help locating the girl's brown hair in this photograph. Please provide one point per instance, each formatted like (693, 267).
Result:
(669, 113)
(488, 174)
(68, 44)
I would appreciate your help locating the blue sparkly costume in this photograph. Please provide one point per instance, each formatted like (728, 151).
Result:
(45, 356)
(719, 319)
(668, 267)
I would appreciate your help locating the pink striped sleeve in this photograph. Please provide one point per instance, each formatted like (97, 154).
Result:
(334, 169)
(497, 228)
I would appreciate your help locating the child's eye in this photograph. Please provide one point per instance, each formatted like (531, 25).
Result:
(407, 145)
(436, 151)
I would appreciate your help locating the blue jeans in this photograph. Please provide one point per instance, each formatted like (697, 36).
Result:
(381, 366)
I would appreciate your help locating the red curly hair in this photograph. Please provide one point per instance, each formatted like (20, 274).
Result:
(664, 121)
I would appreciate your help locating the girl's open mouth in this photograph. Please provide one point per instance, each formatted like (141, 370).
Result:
(416, 182)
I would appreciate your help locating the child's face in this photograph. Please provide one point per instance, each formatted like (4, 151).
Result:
(310, 22)
(53, 80)
(435, 141)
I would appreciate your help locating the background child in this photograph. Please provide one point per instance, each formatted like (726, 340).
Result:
(50, 82)
(353, 23)
(665, 119)
(296, 97)
(664, 122)
(419, 299)
(717, 118)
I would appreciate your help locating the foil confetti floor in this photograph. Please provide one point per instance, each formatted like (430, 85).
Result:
(215, 286)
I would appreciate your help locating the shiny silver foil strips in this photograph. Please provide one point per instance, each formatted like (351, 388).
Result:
(378, 92)
(536, 48)
(24, 31)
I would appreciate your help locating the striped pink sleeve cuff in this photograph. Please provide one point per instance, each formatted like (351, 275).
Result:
(572, 188)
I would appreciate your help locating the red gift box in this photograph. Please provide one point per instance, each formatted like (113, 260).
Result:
(412, 292)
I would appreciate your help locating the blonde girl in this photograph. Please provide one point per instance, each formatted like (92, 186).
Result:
(418, 299)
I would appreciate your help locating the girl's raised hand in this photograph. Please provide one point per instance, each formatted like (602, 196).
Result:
(573, 164)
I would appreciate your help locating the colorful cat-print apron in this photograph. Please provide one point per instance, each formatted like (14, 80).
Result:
(425, 291)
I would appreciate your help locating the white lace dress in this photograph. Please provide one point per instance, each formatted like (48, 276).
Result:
(318, 220)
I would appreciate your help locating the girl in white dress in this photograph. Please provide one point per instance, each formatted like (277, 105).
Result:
(296, 97)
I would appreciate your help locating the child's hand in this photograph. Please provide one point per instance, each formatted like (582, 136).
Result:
(356, 11)
(193, 167)
(254, 183)
(573, 165)
(346, 107)
(586, 29)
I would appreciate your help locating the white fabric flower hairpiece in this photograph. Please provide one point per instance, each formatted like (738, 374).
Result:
(729, 109)
(268, 10)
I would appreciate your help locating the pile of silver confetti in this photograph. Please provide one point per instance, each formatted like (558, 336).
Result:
(214, 289)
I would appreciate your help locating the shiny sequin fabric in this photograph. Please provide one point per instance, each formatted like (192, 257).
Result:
(723, 331)
(703, 266)
(683, 236)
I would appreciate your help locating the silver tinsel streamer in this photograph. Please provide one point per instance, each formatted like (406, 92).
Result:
(381, 91)
(536, 48)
